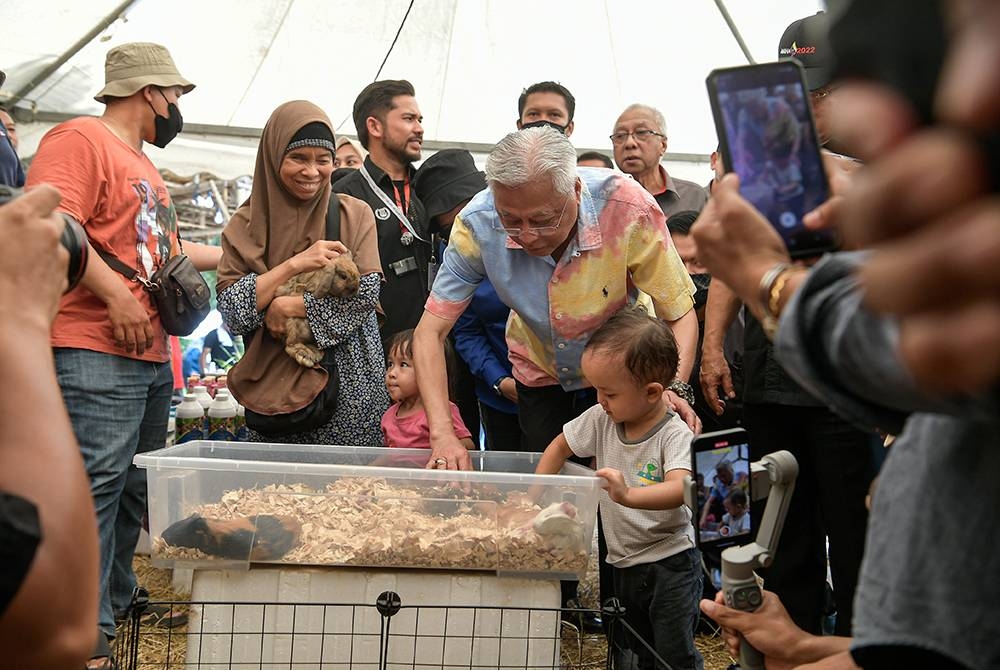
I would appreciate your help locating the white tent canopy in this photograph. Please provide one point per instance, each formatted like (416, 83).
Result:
(468, 59)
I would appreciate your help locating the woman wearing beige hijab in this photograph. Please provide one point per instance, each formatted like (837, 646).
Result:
(279, 233)
(349, 154)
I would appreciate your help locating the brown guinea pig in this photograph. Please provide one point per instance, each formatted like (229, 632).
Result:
(264, 537)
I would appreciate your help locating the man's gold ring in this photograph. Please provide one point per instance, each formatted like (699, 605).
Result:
(439, 461)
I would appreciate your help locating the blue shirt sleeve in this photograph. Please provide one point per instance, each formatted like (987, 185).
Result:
(475, 349)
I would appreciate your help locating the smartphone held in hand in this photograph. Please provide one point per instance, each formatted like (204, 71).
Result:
(767, 135)
(721, 471)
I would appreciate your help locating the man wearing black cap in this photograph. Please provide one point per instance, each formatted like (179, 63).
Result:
(446, 182)
(835, 458)
(914, 608)
(388, 122)
(807, 42)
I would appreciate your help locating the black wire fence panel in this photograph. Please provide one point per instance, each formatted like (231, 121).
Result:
(384, 635)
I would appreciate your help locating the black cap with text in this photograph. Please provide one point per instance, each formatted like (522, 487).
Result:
(807, 41)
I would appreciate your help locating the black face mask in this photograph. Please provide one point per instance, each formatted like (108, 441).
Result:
(550, 124)
(701, 282)
(167, 127)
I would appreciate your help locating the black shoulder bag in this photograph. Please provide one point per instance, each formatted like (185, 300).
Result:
(180, 293)
(318, 412)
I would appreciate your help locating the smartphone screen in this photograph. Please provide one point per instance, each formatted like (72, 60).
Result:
(722, 486)
(768, 137)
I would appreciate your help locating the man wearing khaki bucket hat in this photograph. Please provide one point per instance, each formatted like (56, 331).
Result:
(111, 351)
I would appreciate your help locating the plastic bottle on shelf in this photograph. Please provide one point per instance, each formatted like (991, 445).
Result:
(242, 432)
(240, 427)
(210, 384)
(222, 418)
(201, 393)
(221, 383)
(189, 421)
(192, 381)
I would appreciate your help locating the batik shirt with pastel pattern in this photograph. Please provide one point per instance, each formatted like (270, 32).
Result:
(620, 243)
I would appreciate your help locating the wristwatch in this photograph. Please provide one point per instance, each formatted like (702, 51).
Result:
(496, 387)
(682, 389)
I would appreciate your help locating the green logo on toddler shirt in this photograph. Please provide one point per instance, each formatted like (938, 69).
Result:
(650, 473)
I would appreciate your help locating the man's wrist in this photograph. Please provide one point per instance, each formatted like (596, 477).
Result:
(813, 648)
(713, 342)
(440, 432)
(114, 292)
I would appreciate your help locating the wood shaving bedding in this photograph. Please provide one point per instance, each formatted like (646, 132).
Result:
(367, 521)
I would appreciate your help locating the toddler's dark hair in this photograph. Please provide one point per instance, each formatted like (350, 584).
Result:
(403, 343)
(647, 344)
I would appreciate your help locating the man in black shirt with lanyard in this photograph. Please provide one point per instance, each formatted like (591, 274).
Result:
(387, 119)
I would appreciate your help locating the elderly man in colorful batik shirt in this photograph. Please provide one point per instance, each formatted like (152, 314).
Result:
(565, 249)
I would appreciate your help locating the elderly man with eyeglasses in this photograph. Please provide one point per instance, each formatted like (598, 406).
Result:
(565, 248)
(639, 141)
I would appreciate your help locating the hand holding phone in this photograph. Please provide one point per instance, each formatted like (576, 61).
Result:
(768, 137)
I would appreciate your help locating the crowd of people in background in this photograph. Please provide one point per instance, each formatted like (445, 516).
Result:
(577, 305)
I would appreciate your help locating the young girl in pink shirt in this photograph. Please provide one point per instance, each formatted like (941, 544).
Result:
(404, 424)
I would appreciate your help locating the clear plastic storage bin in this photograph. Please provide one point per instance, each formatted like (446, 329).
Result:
(218, 503)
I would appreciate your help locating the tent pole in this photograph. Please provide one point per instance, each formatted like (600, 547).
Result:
(735, 31)
(72, 51)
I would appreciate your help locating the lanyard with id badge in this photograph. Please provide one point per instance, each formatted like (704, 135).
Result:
(407, 233)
